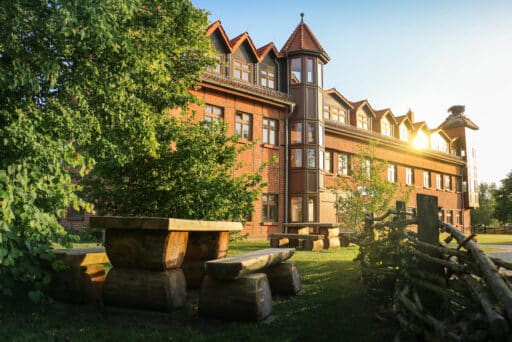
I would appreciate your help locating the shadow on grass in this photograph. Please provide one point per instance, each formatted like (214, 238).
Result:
(334, 306)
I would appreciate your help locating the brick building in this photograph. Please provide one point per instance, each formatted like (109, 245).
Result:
(277, 99)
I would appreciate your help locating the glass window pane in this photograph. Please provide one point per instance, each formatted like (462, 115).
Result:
(296, 67)
(311, 157)
(309, 70)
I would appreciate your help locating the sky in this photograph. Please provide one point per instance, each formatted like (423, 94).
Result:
(424, 55)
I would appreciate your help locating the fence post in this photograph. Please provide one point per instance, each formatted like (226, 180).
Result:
(428, 229)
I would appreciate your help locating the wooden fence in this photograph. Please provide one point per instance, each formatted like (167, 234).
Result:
(491, 230)
(446, 291)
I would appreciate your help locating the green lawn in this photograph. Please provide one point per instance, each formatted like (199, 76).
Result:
(333, 307)
(497, 239)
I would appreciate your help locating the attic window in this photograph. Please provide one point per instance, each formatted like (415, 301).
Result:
(267, 78)
(363, 121)
(386, 128)
(241, 70)
(404, 133)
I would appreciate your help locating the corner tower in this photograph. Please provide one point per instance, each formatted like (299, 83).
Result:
(305, 60)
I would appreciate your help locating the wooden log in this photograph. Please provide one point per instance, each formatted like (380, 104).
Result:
(497, 324)
(141, 289)
(493, 279)
(239, 265)
(313, 245)
(284, 279)
(297, 230)
(332, 242)
(344, 240)
(329, 232)
(201, 247)
(82, 256)
(162, 223)
(156, 250)
(445, 263)
(297, 236)
(247, 298)
(78, 284)
(278, 243)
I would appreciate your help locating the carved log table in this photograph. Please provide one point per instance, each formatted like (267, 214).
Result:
(155, 259)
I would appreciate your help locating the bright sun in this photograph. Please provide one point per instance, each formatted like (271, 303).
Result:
(420, 141)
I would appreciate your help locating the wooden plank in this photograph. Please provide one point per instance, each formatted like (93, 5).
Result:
(310, 224)
(82, 256)
(239, 265)
(297, 236)
(428, 227)
(162, 223)
(298, 230)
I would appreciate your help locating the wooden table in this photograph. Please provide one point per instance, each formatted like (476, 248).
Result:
(155, 259)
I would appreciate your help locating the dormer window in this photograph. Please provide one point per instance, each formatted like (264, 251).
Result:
(439, 143)
(241, 70)
(363, 121)
(405, 134)
(218, 64)
(267, 77)
(386, 127)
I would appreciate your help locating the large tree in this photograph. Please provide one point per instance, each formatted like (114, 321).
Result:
(503, 197)
(484, 214)
(82, 83)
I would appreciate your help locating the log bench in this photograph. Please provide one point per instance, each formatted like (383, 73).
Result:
(241, 287)
(81, 279)
(308, 242)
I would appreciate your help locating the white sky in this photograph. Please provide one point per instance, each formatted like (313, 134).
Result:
(423, 55)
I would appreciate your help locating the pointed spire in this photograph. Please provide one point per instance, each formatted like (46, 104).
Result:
(303, 40)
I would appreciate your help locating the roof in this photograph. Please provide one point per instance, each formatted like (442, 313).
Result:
(303, 39)
(383, 112)
(335, 92)
(360, 104)
(235, 43)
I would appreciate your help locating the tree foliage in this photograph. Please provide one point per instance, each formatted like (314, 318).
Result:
(503, 197)
(82, 82)
(484, 214)
(365, 190)
(194, 179)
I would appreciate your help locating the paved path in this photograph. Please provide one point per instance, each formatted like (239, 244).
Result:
(505, 251)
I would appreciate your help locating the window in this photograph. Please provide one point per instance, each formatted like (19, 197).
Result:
(311, 209)
(447, 182)
(386, 128)
(409, 176)
(241, 70)
(342, 164)
(243, 126)
(296, 157)
(269, 208)
(267, 78)
(321, 156)
(296, 208)
(311, 157)
(218, 64)
(296, 137)
(426, 179)
(328, 161)
(366, 167)
(295, 75)
(321, 133)
(439, 143)
(309, 70)
(363, 121)
(440, 215)
(326, 113)
(269, 131)
(458, 184)
(458, 217)
(319, 75)
(392, 173)
(404, 133)
(213, 113)
(342, 116)
(439, 181)
(449, 217)
(311, 133)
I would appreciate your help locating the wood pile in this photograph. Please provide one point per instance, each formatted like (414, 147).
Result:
(438, 291)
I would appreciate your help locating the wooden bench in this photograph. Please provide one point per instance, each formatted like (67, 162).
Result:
(81, 279)
(241, 287)
(307, 242)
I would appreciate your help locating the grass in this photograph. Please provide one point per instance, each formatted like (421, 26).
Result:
(496, 239)
(333, 306)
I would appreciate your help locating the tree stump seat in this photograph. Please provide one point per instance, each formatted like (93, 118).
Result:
(241, 287)
(81, 280)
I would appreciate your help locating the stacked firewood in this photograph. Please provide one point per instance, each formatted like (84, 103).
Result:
(449, 291)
